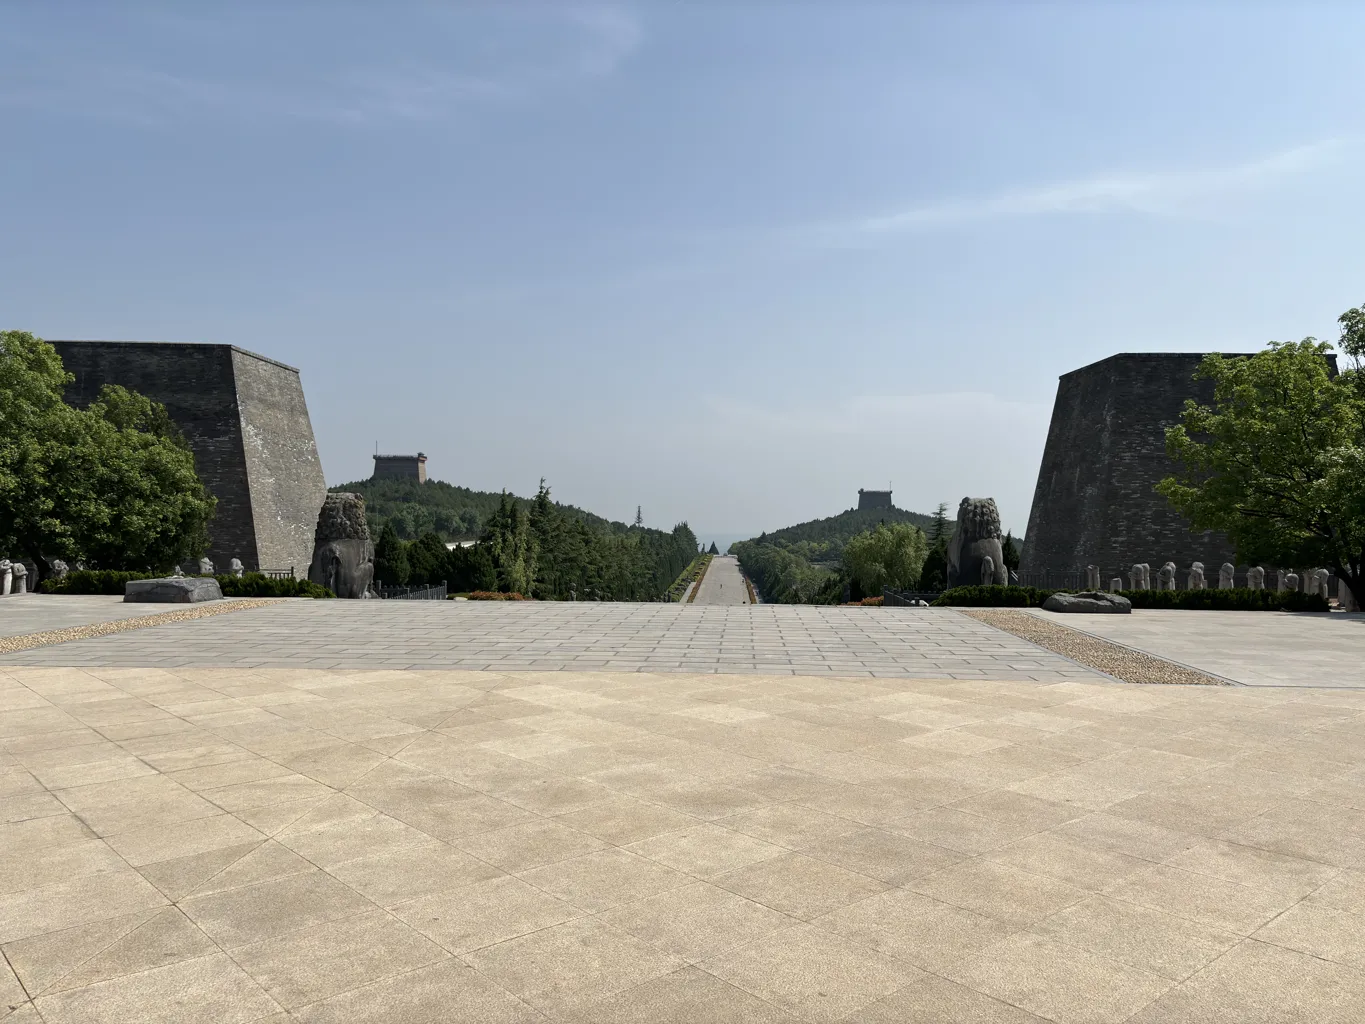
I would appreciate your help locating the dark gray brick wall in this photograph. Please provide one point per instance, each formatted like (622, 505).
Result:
(244, 418)
(1106, 451)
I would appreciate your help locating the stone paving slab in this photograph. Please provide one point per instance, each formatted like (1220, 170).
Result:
(765, 639)
(1254, 648)
(36, 613)
(723, 583)
(228, 844)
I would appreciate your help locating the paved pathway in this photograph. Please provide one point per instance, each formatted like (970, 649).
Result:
(34, 613)
(318, 846)
(1256, 648)
(723, 583)
(769, 639)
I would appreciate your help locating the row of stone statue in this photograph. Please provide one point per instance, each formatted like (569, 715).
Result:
(235, 568)
(13, 577)
(1140, 578)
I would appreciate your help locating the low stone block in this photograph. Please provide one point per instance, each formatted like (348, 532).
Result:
(173, 590)
(1093, 602)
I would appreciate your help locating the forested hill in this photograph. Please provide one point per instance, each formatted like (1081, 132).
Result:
(824, 539)
(455, 513)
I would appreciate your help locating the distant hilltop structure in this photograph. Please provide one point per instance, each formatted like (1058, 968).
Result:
(401, 467)
(874, 499)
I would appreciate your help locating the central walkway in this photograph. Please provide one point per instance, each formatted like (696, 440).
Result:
(723, 583)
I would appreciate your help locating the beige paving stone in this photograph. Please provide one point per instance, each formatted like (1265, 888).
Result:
(932, 1000)
(790, 825)
(336, 765)
(41, 835)
(436, 994)
(960, 831)
(1007, 894)
(798, 885)
(915, 929)
(705, 850)
(1150, 940)
(123, 766)
(623, 820)
(406, 874)
(1139, 839)
(1344, 892)
(12, 994)
(335, 843)
(571, 963)
(1258, 983)
(248, 768)
(308, 964)
(253, 913)
(263, 862)
(1232, 907)
(41, 961)
(481, 914)
(1248, 865)
(811, 973)
(604, 879)
(439, 807)
(164, 938)
(210, 988)
(1067, 860)
(180, 876)
(696, 921)
(530, 845)
(1320, 931)
(686, 996)
(61, 905)
(1059, 983)
(886, 856)
(158, 843)
(26, 869)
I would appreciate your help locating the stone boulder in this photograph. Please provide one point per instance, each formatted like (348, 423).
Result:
(1094, 601)
(173, 590)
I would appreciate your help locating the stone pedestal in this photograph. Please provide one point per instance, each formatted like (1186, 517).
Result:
(173, 590)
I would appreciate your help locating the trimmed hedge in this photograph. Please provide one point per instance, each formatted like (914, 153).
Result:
(252, 584)
(496, 595)
(1240, 599)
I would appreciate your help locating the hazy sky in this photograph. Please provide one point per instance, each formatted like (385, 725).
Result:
(728, 262)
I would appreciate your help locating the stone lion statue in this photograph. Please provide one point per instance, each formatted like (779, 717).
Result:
(343, 554)
(976, 538)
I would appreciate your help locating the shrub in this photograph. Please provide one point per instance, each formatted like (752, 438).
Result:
(496, 595)
(252, 584)
(1239, 599)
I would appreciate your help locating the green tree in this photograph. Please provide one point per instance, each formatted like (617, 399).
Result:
(713, 549)
(1277, 462)
(391, 558)
(892, 556)
(426, 559)
(1009, 550)
(112, 486)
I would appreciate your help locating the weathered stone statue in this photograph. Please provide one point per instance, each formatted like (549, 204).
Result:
(1345, 598)
(205, 567)
(1195, 579)
(988, 571)
(977, 537)
(1116, 584)
(1256, 578)
(235, 567)
(59, 569)
(1092, 577)
(343, 554)
(1137, 577)
(20, 578)
(1291, 582)
(1225, 576)
(1165, 579)
(1322, 582)
(6, 576)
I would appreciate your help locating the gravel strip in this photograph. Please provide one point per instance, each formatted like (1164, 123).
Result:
(10, 644)
(1118, 661)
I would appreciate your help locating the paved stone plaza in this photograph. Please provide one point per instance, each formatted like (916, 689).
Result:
(773, 639)
(723, 583)
(288, 844)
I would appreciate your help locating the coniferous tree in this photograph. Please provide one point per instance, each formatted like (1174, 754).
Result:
(390, 558)
(713, 550)
(1010, 552)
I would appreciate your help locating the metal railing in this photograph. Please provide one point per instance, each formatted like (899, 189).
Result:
(426, 592)
(279, 574)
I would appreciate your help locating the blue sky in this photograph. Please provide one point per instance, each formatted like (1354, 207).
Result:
(727, 262)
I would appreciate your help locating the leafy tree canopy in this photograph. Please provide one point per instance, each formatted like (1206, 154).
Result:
(112, 486)
(1277, 462)
(889, 556)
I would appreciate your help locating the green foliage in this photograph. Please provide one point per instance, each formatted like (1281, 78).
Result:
(1240, 599)
(786, 578)
(390, 558)
(823, 540)
(1278, 461)
(934, 574)
(993, 597)
(694, 571)
(426, 559)
(713, 550)
(1009, 551)
(112, 486)
(251, 584)
(889, 556)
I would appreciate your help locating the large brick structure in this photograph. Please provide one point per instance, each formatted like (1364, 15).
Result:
(1095, 502)
(246, 421)
(401, 467)
(874, 499)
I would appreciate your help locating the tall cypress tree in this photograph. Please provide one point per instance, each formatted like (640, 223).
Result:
(390, 558)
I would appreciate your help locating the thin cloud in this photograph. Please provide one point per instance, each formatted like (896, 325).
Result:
(1163, 193)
